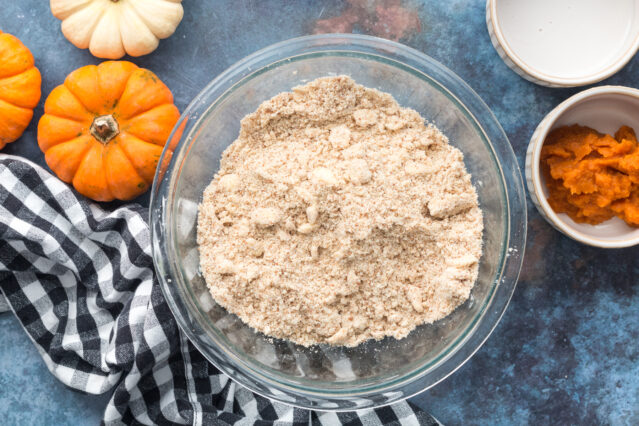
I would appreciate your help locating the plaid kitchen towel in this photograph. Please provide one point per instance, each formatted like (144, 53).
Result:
(81, 282)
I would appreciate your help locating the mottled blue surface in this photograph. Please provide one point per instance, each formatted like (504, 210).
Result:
(565, 351)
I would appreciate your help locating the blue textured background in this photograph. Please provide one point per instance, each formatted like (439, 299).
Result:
(566, 350)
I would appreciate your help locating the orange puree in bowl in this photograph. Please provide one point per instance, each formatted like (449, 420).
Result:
(591, 176)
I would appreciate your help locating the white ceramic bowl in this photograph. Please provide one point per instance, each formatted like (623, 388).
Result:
(564, 43)
(605, 109)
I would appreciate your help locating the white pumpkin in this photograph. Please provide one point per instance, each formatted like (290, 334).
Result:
(112, 28)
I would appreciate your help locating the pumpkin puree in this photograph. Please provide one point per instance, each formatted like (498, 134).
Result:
(591, 176)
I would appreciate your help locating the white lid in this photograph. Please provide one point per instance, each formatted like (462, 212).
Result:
(568, 41)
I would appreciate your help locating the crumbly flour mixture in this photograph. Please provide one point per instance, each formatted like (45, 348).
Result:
(337, 216)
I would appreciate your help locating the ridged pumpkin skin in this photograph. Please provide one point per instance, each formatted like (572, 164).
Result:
(20, 84)
(112, 28)
(124, 166)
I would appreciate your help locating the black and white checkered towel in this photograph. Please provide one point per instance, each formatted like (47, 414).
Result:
(81, 282)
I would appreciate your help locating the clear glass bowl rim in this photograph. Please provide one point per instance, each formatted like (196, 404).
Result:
(515, 216)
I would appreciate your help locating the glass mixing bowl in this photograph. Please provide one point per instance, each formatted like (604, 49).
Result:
(376, 372)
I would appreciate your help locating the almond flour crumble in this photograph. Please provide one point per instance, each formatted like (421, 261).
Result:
(337, 216)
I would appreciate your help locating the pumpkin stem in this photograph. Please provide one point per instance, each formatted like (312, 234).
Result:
(104, 128)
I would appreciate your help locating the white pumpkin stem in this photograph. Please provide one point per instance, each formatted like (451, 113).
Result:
(105, 127)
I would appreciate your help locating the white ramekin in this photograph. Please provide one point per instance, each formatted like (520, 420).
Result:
(605, 109)
(513, 48)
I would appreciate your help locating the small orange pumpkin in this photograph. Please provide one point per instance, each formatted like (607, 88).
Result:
(20, 84)
(104, 129)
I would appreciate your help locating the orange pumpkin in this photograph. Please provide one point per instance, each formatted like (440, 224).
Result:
(19, 88)
(104, 129)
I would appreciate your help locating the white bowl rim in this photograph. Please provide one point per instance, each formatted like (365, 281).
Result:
(604, 73)
(541, 132)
